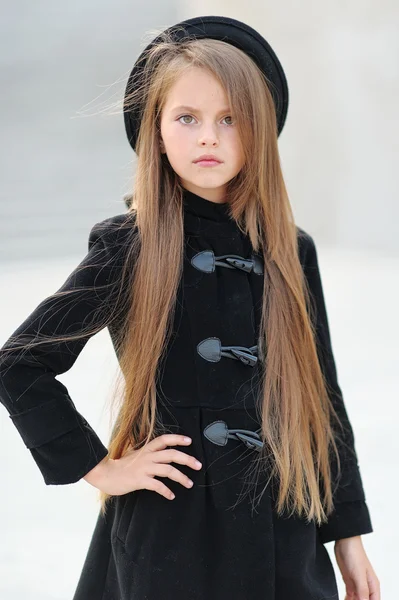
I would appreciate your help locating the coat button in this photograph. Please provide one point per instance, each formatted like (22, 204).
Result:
(212, 350)
(218, 433)
(206, 261)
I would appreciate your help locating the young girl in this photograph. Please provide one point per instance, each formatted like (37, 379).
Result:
(214, 303)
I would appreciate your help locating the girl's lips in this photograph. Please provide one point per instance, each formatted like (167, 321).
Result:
(208, 163)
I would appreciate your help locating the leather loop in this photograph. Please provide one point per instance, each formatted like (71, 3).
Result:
(206, 261)
(212, 350)
(218, 433)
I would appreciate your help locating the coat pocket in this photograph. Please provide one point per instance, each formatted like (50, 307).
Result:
(123, 514)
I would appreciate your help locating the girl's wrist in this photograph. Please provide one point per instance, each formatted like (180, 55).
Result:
(95, 475)
(348, 541)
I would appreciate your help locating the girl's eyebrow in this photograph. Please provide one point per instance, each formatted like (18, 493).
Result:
(193, 109)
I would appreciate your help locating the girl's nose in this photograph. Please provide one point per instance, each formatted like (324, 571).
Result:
(207, 141)
(208, 137)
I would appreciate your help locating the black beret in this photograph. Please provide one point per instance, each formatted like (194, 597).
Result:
(227, 30)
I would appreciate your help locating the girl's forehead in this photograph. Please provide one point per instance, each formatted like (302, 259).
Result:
(192, 89)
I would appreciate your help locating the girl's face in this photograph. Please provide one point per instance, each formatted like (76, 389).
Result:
(197, 120)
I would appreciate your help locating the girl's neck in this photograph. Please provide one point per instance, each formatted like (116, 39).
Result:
(204, 208)
(217, 195)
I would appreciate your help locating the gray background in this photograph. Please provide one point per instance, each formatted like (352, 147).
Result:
(64, 162)
(66, 165)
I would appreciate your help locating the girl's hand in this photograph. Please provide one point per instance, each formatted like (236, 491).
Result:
(360, 580)
(136, 469)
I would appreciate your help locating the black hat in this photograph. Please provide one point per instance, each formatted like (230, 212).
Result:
(227, 30)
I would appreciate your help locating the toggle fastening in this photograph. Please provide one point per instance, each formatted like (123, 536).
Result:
(212, 350)
(206, 261)
(218, 433)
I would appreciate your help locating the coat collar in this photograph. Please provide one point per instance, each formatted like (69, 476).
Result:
(203, 208)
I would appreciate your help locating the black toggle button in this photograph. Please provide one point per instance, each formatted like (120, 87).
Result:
(218, 433)
(212, 350)
(206, 261)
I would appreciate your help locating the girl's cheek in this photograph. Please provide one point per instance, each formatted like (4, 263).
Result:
(233, 141)
(183, 133)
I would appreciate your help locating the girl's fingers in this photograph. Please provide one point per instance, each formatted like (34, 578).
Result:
(160, 454)
(157, 486)
(162, 470)
(172, 455)
(168, 439)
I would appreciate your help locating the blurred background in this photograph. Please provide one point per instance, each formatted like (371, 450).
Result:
(66, 165)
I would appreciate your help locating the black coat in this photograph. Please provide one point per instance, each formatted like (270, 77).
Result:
(214, 541)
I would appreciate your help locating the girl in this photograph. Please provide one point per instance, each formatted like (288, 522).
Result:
(214, 303)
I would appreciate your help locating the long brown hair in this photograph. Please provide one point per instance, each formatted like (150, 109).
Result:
(296, 409)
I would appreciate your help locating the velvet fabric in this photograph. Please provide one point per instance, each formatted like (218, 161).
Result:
(221, 539)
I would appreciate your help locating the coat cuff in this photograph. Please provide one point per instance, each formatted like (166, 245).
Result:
(64, 447)
(348, 519)
(70, 457)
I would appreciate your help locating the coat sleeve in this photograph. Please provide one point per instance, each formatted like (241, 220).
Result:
(61, 441)
(351, 515)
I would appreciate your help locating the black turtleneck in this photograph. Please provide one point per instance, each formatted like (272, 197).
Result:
(201, 207)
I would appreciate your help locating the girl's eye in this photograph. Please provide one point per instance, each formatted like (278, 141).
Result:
(190, 117)
(185, 116)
